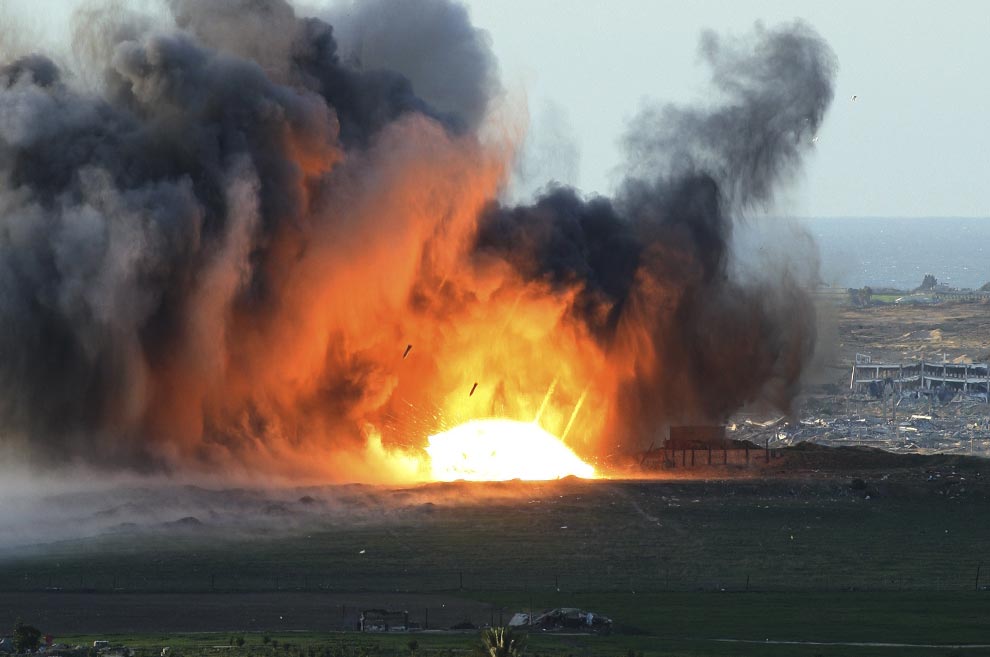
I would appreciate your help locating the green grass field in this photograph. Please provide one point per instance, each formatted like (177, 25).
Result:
(679, 566)
(670, 625)
(612, 536)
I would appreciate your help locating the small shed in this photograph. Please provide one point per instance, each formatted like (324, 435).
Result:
(381, 620)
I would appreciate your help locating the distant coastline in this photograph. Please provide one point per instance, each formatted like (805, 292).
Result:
(897, 252)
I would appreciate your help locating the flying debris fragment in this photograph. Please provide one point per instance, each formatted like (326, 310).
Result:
(406, 352)
(473, 388)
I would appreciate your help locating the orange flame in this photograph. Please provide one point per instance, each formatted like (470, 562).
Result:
(499, 450)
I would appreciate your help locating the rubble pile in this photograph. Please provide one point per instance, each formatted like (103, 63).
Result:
(905, 423)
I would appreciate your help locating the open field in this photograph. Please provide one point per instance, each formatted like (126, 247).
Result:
(897, 530)
(911, 617)
(896, 332)
(694, 623)
(670, 561)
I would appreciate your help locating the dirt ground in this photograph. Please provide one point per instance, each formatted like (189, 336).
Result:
(830, 413)
(894, 333)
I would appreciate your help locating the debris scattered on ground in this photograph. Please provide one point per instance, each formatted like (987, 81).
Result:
(564, 619)
(920, 424)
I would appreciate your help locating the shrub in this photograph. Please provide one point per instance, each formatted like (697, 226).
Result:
(26, 638)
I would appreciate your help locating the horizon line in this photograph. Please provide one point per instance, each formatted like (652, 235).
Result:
(875, 216)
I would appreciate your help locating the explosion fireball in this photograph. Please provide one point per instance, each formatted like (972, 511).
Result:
(224, 224)
(500, 450)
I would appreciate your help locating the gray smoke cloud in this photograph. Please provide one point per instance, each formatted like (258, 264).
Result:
(134, 220)
(240, 177)
(431, 43)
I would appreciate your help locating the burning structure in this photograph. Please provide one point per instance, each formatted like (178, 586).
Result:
(221, 230)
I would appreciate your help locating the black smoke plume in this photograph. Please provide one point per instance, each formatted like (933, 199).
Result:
(654, 259)
(205, 254)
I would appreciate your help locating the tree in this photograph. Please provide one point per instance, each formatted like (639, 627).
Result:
(861, 297)
(929, 282)
(501, 642)
(26, 637)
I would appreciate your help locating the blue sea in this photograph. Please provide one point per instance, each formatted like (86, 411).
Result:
(899, 252)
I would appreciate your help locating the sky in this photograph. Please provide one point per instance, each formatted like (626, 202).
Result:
(914, 143)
